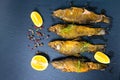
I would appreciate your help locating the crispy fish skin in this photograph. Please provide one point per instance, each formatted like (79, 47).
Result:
(80, 15)
(76, 65)
(71, 31)
(74, 48)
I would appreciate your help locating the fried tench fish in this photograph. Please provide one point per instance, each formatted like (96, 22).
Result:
(80, 15)
(75, 48)
(71, 31)
(76, 65)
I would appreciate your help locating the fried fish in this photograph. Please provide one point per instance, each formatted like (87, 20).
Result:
(80, 15)
(75, 48)
(76, 65)
(71, 31)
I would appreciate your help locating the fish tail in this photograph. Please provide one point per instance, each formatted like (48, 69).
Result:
(96, 47)
(96, 66)
(100, 47)
(102, 66)
(106, 19)
(102, 32)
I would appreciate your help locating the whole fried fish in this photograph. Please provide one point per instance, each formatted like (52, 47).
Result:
(71, 31)
(75, 48)
(77, 65)
(80, 15)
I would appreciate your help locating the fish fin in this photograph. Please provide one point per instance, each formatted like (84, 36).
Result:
(77, 39)
(64, 70)
(85, 11)
(102, 69)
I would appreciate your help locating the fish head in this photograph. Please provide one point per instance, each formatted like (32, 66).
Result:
(58, 65)
(56, 28)
(58, 13)
(55, 45)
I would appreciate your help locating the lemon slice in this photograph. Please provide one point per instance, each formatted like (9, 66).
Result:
(37, 19)
(39, 63)
(101, 57)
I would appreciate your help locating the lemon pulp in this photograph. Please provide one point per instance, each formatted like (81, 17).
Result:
(36, 19)
(101, 57)
(39, 63)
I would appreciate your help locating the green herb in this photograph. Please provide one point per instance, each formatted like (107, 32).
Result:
(67, 29)
(85, 47)
(78, 65)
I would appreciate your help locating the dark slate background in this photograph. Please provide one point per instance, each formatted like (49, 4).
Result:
(15, 56)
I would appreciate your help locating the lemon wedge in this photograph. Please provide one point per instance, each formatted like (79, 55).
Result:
(39, 63)
(36, 19)
(101, 57)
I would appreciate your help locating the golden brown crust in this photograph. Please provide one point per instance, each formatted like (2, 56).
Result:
(73, 31)
(76, 65)
(80, 15)
(74, 48)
